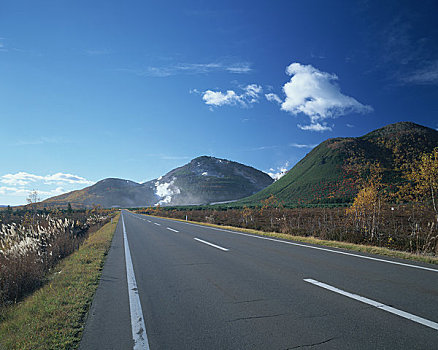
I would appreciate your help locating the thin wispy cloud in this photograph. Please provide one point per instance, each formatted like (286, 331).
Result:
(426, 75)
(97, 52)
(190, 68)
(262, 148)
(167, 156)
(20, 191)
(39, 141)
(408, 56)
(23, 178)
(174, 157)
(3, 48)
(273, 98)
(299, 145)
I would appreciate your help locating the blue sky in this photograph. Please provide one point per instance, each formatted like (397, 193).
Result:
(133, 89)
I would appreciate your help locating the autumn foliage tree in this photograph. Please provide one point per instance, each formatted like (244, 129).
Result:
(423, 180)
(421, 191)
(365, 212)
(247, 214)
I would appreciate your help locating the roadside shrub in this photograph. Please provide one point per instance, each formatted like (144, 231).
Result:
(34, 244)
(403, 226)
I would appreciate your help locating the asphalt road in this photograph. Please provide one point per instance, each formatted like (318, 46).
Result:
(194, 287)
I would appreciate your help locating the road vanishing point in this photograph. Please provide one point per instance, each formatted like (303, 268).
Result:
(176, 285)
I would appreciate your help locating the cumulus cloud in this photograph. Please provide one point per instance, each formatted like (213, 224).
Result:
(23, 178)
(251, 94)
(218, 98)
(317, 95)
(279, 172)
(273, 98)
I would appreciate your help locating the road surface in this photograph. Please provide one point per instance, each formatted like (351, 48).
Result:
(195, 287)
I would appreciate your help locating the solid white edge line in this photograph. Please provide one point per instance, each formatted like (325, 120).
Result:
(171, 229)
(137, 320)
(211, 244)
(313, 247)
(376, 304)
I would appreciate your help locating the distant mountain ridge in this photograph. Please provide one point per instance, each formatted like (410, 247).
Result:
(201, 181)
(320, 176)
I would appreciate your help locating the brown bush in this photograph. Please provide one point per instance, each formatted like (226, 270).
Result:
(405, 227)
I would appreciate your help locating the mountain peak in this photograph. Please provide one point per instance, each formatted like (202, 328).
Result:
(207, 179)
(398, 128)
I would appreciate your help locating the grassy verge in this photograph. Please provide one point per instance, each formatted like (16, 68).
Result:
(53, 317)
(335, 244)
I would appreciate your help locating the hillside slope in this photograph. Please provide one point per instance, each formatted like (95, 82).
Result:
(202, 181)
(107, 193)
(320, 176)
(208, 179)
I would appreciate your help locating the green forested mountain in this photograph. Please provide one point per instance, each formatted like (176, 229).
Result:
(322, 176)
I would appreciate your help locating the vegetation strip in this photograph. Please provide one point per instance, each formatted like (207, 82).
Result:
(335, 244)
(54, 316)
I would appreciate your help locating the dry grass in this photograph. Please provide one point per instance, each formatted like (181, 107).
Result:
(53, 317)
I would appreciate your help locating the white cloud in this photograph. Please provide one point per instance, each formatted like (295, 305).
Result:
(279, 172)
(273, 98)
(23, 178)
(315, 127)
(218, 98)
(316, 94)
(6, 190)
(239, 69)
(251, 94)
(68, 178)
(20, 191)
(299, 145)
